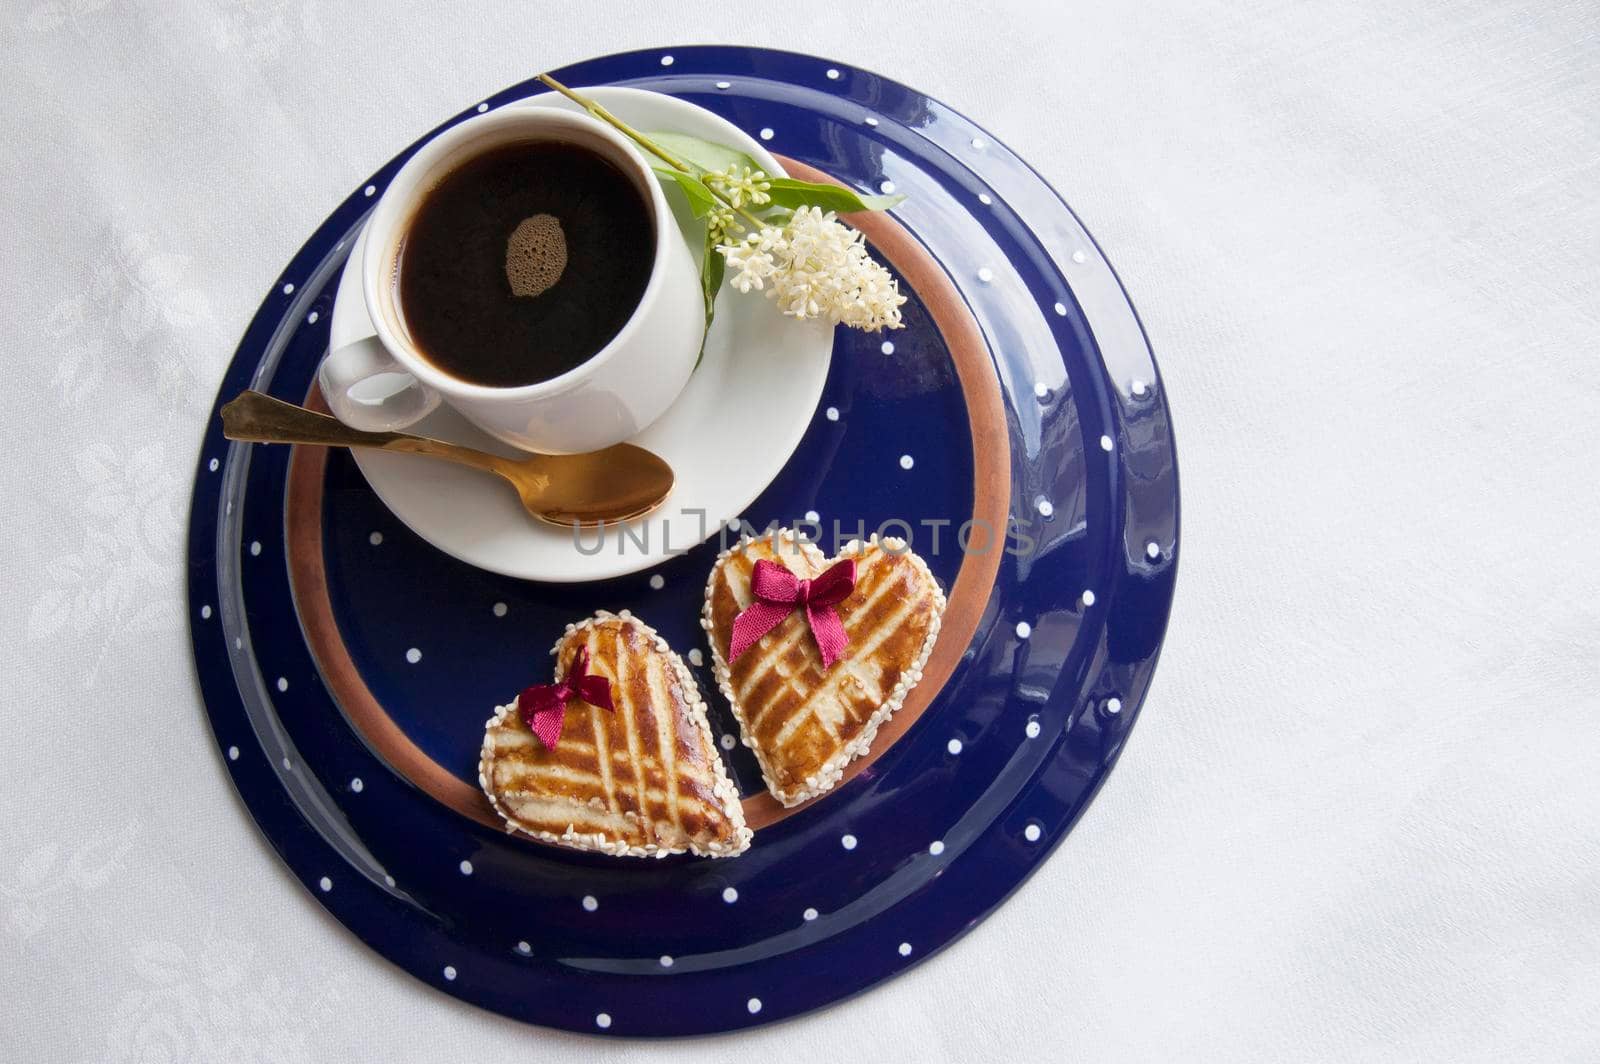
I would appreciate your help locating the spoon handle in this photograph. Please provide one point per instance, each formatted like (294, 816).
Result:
(253, 417)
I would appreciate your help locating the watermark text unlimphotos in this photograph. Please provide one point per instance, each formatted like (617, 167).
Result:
(927, 536)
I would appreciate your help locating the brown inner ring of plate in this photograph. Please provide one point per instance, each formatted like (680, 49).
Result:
(991, 478)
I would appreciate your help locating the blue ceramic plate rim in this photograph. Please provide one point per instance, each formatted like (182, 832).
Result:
(380, 920)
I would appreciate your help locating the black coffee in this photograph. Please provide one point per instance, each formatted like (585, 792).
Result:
(523, 263)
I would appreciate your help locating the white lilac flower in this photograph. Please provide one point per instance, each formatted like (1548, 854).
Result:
(722, 223)
(740, 188)
(752, 258)
(818, 268)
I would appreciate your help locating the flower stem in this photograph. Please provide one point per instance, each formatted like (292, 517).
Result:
(606, 116)
(647, 144)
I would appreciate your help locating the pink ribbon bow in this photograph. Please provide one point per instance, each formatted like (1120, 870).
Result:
(544, 705)
(778, 593)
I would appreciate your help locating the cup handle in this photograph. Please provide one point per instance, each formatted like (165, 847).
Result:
(368, 390)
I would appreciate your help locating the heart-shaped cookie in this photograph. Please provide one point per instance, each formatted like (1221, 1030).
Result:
(640, 779)
(806, 721)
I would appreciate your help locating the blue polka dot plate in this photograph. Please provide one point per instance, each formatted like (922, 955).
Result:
(1015, 431)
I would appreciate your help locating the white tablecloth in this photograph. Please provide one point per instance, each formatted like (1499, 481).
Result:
(1359, 818)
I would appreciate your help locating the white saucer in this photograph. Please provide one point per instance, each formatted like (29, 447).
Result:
(727, 436)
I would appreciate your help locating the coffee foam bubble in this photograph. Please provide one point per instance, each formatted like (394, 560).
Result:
(536, 255)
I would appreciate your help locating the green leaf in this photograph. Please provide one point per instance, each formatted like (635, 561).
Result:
(701, 201)
(702, 153)
(791, 192)
(711, 271)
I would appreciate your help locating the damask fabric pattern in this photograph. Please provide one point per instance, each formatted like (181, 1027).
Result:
(1358, 819)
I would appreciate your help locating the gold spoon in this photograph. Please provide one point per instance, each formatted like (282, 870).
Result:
(615, 484)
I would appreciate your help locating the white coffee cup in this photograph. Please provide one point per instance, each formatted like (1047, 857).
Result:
(382, 383)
